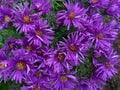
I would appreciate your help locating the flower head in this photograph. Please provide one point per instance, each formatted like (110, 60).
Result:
(19, 65)
(6, 16)
(64, 81)
(42, 34)
(107, 70)
(41, 5)
(75, 46)
(24, 19)
(113, 8)
(73, 15)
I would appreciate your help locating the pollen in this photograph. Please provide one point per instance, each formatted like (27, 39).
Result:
(2, 66)
(71, 15)
(36, 88)
(11, 46)
(63, 78)
(29, 48)
(94, 1)
(72, 48)
(20, 65)
(39, 33)
(100, 36)
(38, 74)
(108, 64)
(60, 57)
(6, 18)
(26, 19)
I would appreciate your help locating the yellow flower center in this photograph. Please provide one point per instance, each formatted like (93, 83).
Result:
(38, 74)
(39, 33)
(60, 57)
(108, 64)
(100, 36)
(72, 48)
(20, 65)
(2, 66)
(63, 78)
(36, 88)
(94, 1)
(6, 18)
(29, 48)
(26, 19)
(11, 46)
(71, 15)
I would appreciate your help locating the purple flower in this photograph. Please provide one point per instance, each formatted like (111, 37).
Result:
(113, 8)
(107, 69)
(75, 46)
(99, 3)
(24, 19)
(6, 16)
(58, 60)
(64, 81)
(41, 5)
(91, 83)
(42, 34)
(11, 44)
(3, 66)
(19, 65)
(101, 35)
(37, 80)
(73, 15)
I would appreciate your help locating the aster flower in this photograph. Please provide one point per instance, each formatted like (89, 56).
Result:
(11, 44)
(75, 46)
(91, 83)
(73, 15)
(37, 80)
(63, 81)
(113, 8)
(42, 34)
(41, 5)
(3, 65)
(99, 3)
(58, 60)
(107, 70)
(6, 16)
(19, 65)
(101, 35)
(24, 19)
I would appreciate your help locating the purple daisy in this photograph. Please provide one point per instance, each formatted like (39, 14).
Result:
(42, 34)
(101, 35)
(3, 66)
(37, 80)
(99, 3)
(24, 19)
(75, 46)
(113, 8)
(6, 16)
(19, 65)
(73, 15)
(107, 69)
(58, 60)
(92, 83)
(64, 81)
(11, 44)
(41, 5)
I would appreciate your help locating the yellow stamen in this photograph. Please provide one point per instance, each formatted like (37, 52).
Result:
(20, 65)
(63, 78)
(26, 19)
(71, 15)
(6, 18)
(39, 33)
